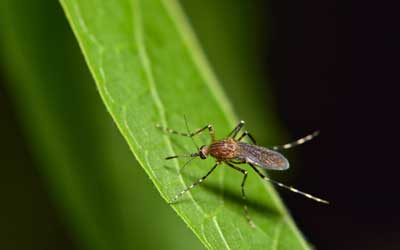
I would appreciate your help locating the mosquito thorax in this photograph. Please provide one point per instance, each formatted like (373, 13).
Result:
(225, 149)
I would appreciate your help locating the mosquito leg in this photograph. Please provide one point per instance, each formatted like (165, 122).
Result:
(297, 142)
(248, 135)
(246, 211)
(288, 187)
(236, 130)
(199, 181)
(198, 131)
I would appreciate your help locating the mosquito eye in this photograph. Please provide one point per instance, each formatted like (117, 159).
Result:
(201, 153)
(202, 156)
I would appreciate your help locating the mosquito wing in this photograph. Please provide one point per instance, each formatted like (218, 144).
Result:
(262, 157)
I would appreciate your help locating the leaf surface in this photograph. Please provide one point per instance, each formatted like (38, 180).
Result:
(103, 196)
(150, 70)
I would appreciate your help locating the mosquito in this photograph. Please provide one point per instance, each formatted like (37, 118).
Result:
(233, 151)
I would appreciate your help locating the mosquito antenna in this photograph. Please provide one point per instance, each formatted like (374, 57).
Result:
(186, 163)
(188, 131)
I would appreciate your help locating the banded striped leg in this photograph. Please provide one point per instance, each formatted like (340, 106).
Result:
(248, 135)
(288, 187)
(246, 211)
(199, 181)
(297, 142)
(236, 130)
(198, 131)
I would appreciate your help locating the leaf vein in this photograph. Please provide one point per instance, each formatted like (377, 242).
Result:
(279, 227)
(220, 232)
(143, 57)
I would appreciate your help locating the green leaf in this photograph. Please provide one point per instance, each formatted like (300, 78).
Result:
(149, 69)
(236, 57)
(105, 198)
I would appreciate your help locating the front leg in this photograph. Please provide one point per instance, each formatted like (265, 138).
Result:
(199, 181)
(190, 134)
(248, 135)
(236, 130)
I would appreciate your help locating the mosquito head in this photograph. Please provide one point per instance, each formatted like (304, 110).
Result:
(203, 152)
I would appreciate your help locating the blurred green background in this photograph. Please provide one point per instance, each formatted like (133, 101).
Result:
(64, 160)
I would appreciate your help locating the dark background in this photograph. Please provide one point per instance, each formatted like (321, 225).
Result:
(339, 73)
(328, 70)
